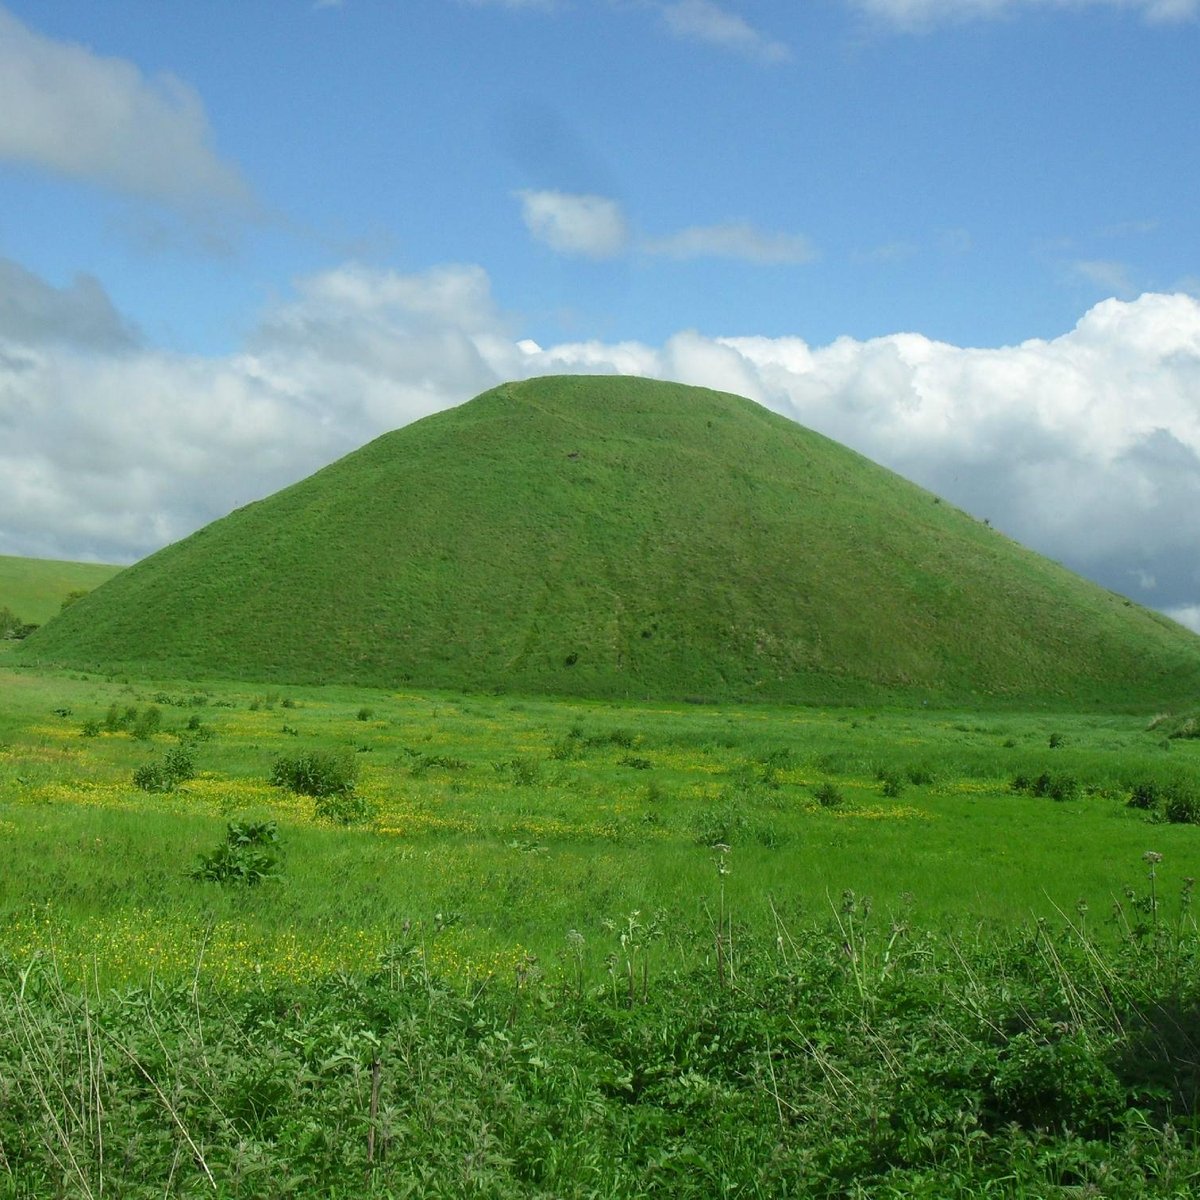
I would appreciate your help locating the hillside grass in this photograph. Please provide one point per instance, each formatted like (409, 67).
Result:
(34, 588)
(592, 949)
(627, 539)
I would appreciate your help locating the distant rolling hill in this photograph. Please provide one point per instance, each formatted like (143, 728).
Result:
(612, 537)
(34, 588)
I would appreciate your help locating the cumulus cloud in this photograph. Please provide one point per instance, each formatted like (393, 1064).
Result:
(706, 21)
(75, 113)
(915, 14)
(1085, 446)
(737, 240)
(589, 226)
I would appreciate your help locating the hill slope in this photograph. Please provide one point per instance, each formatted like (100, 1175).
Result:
(617, 536)
(34, 588)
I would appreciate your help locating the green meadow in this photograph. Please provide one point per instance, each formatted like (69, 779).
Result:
(547, 947)
(495, 826)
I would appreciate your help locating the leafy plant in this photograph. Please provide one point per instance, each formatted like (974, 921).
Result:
(246, 856)
(317, 773)
(176, 766)
(828, 795)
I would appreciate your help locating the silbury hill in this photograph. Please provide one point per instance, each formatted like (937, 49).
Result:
(617, 537)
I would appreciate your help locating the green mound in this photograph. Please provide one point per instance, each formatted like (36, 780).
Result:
(617, 537)
(35, 588)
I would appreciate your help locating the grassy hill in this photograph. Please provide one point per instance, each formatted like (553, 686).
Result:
(34, 588)
(620, 537)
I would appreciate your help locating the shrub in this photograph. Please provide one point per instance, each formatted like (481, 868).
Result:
(720, 825)
(1056, 786)
(364, 714)
(246, 856)
(91, 729)
(176, 766)
(146, 726)
(317, 773)
(893, 784)
(632, 760)
(523, 770)
(1056, 740)
(1145, 795)
(343, 808)
(1181, 804)
(828, 795)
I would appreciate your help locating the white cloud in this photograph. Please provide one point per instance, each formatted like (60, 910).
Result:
(72, 112)
(590, 226)
(706, 21)
(1085, 446)
(915, 14)
(737, 240)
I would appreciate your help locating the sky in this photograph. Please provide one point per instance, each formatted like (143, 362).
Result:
(238, 241)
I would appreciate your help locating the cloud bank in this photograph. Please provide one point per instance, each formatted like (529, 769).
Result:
(1085, 446)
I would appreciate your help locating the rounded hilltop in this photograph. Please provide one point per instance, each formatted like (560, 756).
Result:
(610, 537)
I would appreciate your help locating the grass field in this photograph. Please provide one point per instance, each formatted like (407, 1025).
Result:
(520, 820)
(635, 924)
(35, 588)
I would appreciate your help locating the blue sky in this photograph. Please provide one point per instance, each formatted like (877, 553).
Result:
(237, 240)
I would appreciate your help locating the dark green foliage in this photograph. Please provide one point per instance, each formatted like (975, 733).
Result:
(343, 808)
(316, 773)
(1145, 795)
(147, 724)
(247, 856)
(522, 771)
(695, 546)
(12, 627)
(828, 795)
(1056, 785)
(1181, 803)
(364, 714)
(893, 783)
(720, 825)
(1056, 740)
(846, 1059)
(175, 767)
(635, 761)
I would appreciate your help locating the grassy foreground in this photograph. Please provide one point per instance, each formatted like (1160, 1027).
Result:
(579, 949)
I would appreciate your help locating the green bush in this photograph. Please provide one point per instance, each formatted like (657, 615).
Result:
(1055, 786)
(828, 795)
(317, 773)
(147, 725)
(176, 766)
(1145, 795)
(343, 808)
(1181, 803)
(246, 856)
(720, 825)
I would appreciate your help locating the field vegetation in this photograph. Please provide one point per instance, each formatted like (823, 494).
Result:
(344, 942)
